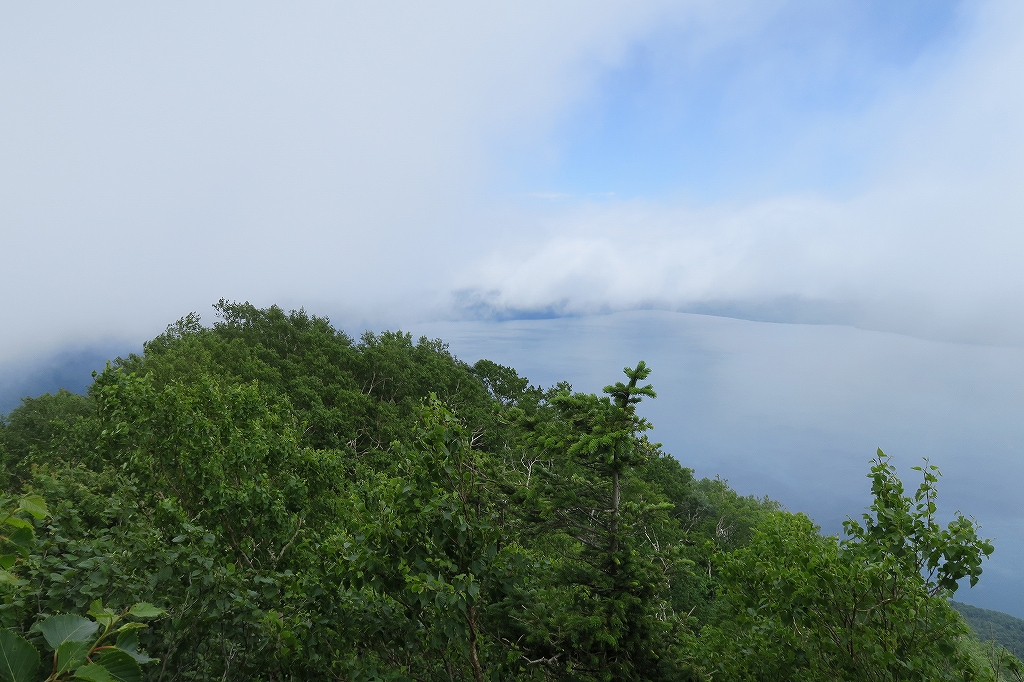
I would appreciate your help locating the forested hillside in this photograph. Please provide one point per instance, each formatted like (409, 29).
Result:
(296, 505)
(994, 626)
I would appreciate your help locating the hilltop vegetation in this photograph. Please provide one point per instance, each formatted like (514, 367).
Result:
(994, 626)
(307, 506)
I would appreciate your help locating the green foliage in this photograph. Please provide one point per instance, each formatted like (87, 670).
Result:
(17, 533)
(428, 540)
(991, 662)
(592, 602)
(19, 660)
(49, 428)
(1003, 629)
(353, 397)
(227, 458)
(310, 506)
(873, 606)
(81, 647)
(903, 531)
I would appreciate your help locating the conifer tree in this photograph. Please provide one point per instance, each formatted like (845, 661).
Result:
(608, 580)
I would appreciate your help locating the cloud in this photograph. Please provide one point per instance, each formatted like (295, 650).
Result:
(931, 245)
(354, 159)
(157, 158)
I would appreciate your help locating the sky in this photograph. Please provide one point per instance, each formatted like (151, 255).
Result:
(806, 215)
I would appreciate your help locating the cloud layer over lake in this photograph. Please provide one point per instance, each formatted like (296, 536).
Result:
(521, 160)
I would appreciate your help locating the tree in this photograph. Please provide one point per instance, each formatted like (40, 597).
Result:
(428, 541)
(873, 606)
(601, 613)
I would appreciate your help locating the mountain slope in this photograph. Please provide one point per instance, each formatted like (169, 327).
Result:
(988, 625)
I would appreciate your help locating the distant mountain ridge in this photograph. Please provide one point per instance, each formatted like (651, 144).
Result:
(70, 368)
(997, 626)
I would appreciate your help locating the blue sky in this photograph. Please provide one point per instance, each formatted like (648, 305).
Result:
(771, 109)
(816, 202)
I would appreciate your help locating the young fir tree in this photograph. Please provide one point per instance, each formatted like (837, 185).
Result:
(608, 579)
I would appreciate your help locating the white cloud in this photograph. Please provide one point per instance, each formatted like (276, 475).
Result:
(341, 157)
(933, 246)
(153, 159)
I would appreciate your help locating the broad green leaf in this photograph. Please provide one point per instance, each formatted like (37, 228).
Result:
(17, 523)
(94, 672)
(67, 627)
(121, 666)
(71, 654)
(18, 659)
(8, 578)
(34, 505)
(102, 614)
(22, 537)
(128, 642)
(146, 610)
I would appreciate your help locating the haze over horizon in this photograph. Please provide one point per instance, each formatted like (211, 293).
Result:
(807, 217)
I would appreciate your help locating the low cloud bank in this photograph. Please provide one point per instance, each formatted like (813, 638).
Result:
(931, 245)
